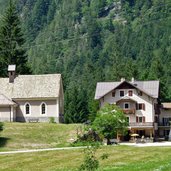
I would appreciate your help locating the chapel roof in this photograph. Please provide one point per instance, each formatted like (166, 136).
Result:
(32, 86)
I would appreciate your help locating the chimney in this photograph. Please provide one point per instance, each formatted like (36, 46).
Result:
(132, 80)
(122, 79)
(11, 73)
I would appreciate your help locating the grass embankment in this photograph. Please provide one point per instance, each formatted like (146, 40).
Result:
(17, 136)
(121, 158)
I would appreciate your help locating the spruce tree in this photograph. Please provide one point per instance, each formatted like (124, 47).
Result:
(11, 42)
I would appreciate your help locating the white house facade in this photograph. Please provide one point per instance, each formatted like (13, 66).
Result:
(31, 97)
(139, 101)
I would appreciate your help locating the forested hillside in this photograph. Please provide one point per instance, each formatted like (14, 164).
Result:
(97, 40)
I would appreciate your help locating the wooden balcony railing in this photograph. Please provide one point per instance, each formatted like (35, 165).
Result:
(129, 111)
(145, 124)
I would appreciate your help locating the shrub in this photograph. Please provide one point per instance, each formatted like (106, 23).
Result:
(1, 126)
(90, 162)
(88, 138)
(52, 120)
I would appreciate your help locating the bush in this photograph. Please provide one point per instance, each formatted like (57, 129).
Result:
(90, 162)
(1, 126)
(88, 138)
(52, 120)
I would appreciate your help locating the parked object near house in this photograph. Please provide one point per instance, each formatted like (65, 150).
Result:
(139, 101)
(31, 98)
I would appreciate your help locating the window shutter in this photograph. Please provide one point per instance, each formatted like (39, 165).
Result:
(143, 106)
(143, 119)
(136, 118)
(136, 106)
(130, 93)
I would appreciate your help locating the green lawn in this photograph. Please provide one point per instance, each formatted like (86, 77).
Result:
(44, 135)
(36, 135)
(121, 158)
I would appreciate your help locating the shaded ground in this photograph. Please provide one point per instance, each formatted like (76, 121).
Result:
(3, 141)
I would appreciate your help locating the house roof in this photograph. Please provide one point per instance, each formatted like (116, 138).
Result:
(5, 101)
(166, 105)
(31, 86)
(150, 88)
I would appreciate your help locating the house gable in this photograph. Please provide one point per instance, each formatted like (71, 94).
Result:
(125, 85)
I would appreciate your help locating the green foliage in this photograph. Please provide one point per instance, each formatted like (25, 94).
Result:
(11, 42)
(1, 126)
(76, 104)
(89, 137)
(52, 120)
(110, 121)
(90, 163)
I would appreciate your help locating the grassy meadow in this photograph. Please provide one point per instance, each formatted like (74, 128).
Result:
(17, 136)
(121, 158)
(20, 136)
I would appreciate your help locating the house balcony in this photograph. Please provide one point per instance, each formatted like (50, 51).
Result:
(129, 111)
(160, 124)
(141, 124)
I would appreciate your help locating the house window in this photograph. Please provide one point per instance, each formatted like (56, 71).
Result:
(166, 133)
(130, 93)
(140, 93)
(121, 93)
(126, 105)
(166, 121)
(113, 94)
(43, 108)
(27, 109)
(140, 119)
(140, 106)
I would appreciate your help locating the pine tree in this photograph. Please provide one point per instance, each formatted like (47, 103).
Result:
(11, 42)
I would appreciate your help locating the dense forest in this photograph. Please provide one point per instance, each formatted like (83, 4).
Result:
(97, 40)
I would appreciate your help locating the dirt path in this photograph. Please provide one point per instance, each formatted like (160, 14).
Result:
(156, 144)
(39, 150)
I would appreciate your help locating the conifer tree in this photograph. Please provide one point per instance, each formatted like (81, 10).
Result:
(11, 42)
